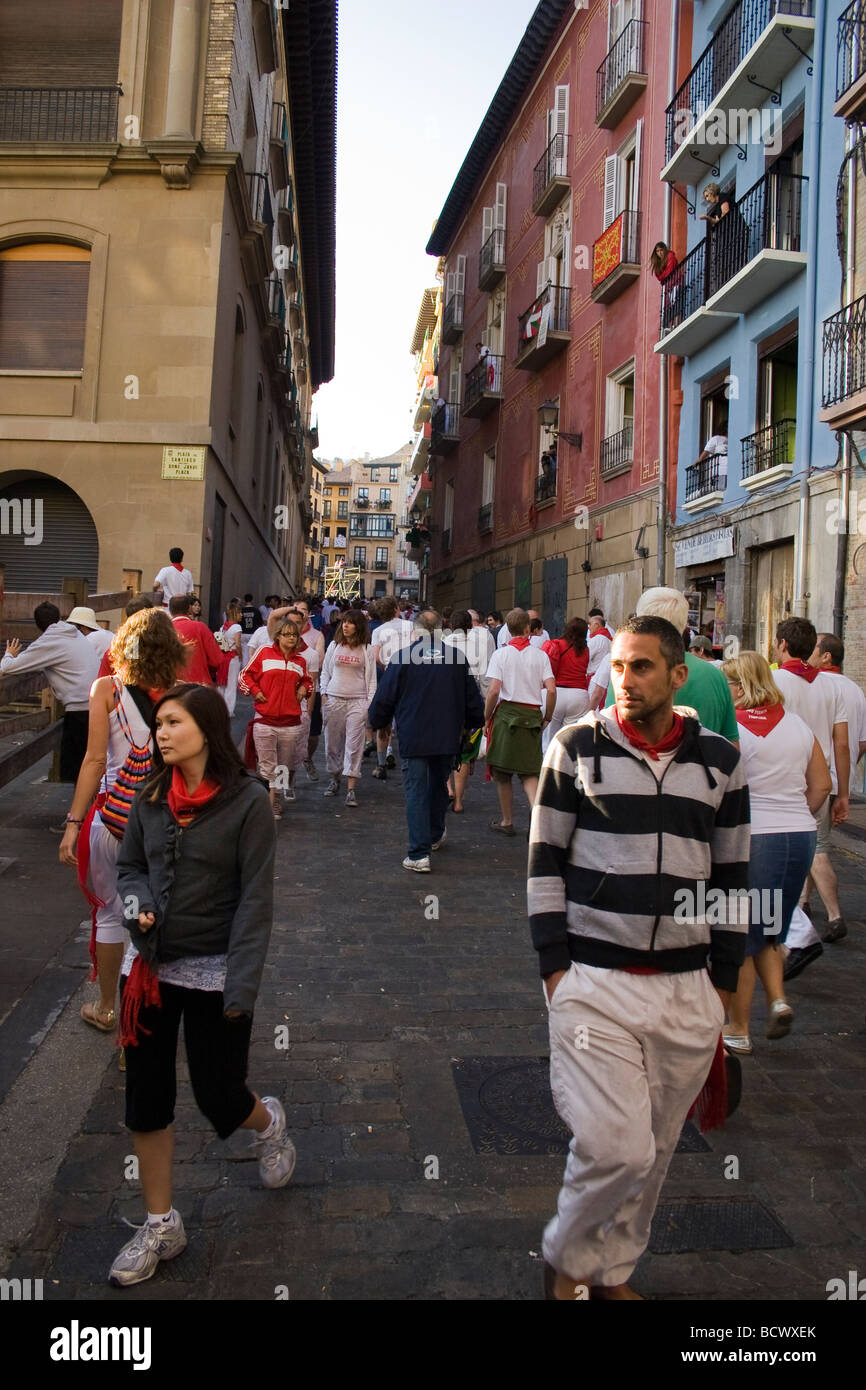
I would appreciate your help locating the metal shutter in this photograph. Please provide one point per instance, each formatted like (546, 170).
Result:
(60, 43)
(69, 547)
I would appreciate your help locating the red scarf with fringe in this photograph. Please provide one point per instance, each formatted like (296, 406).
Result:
(521, 643)
(652, 750)
(801, 668)
(142, 985)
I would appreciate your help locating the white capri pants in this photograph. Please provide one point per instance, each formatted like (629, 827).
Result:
(229, 691)
(344, 720)
(104, 849)
(629, 1055)
(570, 705)
(278, 751)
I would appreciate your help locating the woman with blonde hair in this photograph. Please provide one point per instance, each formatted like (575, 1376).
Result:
(278, 681)
(788, 782)
(228, 638)
(146, 657)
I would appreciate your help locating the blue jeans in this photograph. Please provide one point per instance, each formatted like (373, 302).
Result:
(778, 864)
(425, 783)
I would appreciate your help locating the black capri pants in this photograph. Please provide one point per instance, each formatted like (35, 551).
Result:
(217, 1050)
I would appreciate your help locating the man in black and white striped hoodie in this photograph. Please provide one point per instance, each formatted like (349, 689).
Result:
(638, 871)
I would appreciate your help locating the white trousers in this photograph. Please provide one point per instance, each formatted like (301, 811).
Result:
(801, 933)
(229, 691)
(628, 1056)
(570, 705)
(104, 849)
(344, 719)
(278, 752)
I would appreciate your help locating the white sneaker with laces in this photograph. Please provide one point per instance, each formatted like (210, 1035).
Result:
(351, 799)
(310, 769)
(332, 788)
(277, 1156)
(289, 794)
(420, 866)
(139, 1258)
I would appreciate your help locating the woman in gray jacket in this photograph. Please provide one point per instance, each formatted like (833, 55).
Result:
(195, 873)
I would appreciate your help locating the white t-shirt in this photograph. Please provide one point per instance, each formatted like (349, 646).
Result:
(815, 702)
(174, 582)
(775, 766)
(599, 647)
(601, 675)
(505, 637)
(852, 702)
(391, 637)
(101, 639)
(522, 673)
(477, 654)
(255, 643)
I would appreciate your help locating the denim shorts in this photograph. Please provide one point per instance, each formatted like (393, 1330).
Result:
(778, 865)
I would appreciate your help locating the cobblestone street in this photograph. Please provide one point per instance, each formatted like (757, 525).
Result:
(402, 1025)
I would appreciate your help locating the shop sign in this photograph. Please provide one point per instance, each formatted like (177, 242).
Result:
(179, 461)
(709, 545)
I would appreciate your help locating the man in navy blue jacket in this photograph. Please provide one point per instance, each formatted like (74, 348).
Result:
(430, 690)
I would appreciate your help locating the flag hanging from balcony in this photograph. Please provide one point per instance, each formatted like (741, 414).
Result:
(607, 251)
(533, 323)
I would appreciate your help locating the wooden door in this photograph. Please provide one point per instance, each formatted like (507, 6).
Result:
(774, 593)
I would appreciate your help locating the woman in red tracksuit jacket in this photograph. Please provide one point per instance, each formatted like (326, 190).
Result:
(278, 681)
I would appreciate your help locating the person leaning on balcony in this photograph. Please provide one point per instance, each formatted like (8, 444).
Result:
(663, 261)
(718, 204)
(716, 447)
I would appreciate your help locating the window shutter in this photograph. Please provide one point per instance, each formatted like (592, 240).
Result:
(460, 281)
(454, 392)
(560, 109)
(552, 271)
(565, 278)
(635, 202)
(540, 278)
(613, 25)
(611, 182)
(501, 195)
(449, 285)
(486, 224)
(43, 312)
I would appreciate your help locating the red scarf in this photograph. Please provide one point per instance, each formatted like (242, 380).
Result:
(603, 632)
(521, 643)
(801, 668)
(670, 740)
(837, 670)
(142, 986)
(178, 567)
(762, 720)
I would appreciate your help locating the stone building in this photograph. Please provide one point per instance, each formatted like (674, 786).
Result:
(167, 214)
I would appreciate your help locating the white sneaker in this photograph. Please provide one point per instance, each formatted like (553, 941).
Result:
(439, 843)
(351, 799)
(309, 768)
(332, 788)
(420, 866)
(289, 794)
(139, 1258)
(277, 1156)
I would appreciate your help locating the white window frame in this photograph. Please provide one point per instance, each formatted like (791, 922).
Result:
(488, 477)
(614, 405)
(547, 439)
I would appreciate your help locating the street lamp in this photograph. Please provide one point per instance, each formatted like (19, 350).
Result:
(548, 415)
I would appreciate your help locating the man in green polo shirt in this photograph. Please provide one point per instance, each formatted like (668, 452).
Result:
(706, 690)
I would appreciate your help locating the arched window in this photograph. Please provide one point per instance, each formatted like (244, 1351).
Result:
(43, 306)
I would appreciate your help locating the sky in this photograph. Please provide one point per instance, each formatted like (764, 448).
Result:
(413, 84)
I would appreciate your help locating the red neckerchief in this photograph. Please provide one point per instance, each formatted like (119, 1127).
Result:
(181, 803)
(801, 668)
(603, 632)
(761, 720)
(652, 750)
(178, 567)
(835, 670)
(521, 643)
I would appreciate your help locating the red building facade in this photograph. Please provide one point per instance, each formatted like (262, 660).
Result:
(546, 444)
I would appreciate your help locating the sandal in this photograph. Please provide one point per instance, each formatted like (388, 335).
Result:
(105, 1023)
(739, 1043)
(503, 829)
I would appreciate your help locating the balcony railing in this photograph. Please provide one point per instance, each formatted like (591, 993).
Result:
(617, 451)
(550, 175)
(735, 36)
(616, 256)
(624, 60)
(452, 318)
(362, 501)
(383, 503)
(703, 478)
(444, 425)
(276, 300)
(850, 47)
(529, 322)
(380, 565)
(446, 542)
(491, 259)
(485, 518)
(844, 353)
(767, 218)
(279, 125)
(67, 115)
(372, 528)
(545, 484)
(770, 447)
(485, 379)
(257, 187)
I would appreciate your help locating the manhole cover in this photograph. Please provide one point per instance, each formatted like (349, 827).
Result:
(732, 1224)
(508, 1108)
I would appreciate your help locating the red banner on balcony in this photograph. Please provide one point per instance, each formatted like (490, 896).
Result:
(607, 251)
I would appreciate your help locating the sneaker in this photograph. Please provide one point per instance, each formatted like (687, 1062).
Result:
(310, 769)
(835, 930)
(420, 866)
(380, 774)
(277, 1156)
(390, 761)
(781, 1016)
(351, 799)
(140, 1256)
(440, 842)
(289, 793)
(369, 747)
(332, 788)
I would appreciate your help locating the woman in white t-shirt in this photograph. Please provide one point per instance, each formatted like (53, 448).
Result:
(788, 783)
(229, 640)
(348, 685)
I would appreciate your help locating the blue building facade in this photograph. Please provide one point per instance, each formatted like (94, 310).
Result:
(753, 145)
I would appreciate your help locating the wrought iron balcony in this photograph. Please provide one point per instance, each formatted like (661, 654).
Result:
(485, 518)
(286, 214)
(549, 178)
(380, 565)
(545, 483)
(383, 503)
(768, 454)
(371, 528)
(491, 260)
(65, 115)
(622, 76)
(446, 542)
(851, 62)
(773, 35)
(452, 319)
(759, 237)
(445, 428)
(617, 451)
(484, 386)
(276, 301)
(704, 480)
(616, 257)
(362, 501)
(544, 328)
(844, 358)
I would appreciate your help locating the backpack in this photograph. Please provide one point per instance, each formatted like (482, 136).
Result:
(136, 768)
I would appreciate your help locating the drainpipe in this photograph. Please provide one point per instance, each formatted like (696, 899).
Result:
(811, 314)
(664, 395)
(845, 479)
